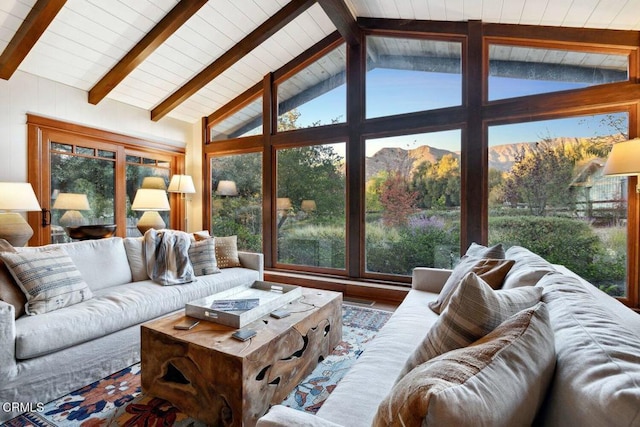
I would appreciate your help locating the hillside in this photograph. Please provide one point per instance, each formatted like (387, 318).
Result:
(501, 157)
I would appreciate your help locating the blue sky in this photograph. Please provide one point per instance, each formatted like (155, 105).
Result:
(400, 91)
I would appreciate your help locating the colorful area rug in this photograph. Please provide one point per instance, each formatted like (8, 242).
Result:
(118, 399)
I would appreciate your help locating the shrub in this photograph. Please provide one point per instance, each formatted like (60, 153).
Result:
(570, 242)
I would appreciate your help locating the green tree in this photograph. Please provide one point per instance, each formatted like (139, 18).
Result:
(438, 184)
(312, 173)
(541, 177)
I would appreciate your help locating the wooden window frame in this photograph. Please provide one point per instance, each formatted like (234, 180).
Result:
(42, 131)
(473, 117)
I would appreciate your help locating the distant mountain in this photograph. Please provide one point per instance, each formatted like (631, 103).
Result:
(501, 157)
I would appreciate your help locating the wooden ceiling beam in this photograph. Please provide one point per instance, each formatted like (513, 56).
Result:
(252, 40)
(342, 18)
(41, 15)
(180, 14)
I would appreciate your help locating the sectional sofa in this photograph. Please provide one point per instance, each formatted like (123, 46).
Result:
(575, 362)
(48, 355)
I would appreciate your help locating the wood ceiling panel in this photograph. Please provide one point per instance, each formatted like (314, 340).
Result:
(629, 16)
(475, 8)
(533, 11)
(511, 11)
(606, 11)
(579, 13)
(455, 10)
(556, 12)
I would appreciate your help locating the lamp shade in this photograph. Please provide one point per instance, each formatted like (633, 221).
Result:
(18, 197)
(182, 184)
(156, 182)
(227, 188)
(72, 201)
(149, 199)
(624, 159)
(283, 203)
(308, 205)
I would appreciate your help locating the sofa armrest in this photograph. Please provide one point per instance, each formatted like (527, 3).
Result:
(429, 279)
(283, 416)
(253, 261)
(8, 366)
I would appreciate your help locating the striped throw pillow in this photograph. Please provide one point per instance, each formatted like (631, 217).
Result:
(473, 311)
(202, 254)
(49, 279)
(499, 380)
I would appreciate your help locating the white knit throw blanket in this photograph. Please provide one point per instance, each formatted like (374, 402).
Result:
(166, 255)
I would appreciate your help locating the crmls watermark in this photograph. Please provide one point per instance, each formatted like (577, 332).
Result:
(22, 406)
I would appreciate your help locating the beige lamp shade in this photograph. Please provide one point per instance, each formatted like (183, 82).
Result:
(156, 182)
(182, 184)
(72, 201)
(150, 199)
(16, 197)
(283, 203)
(227, 188)
(624, 160)
(308, 206)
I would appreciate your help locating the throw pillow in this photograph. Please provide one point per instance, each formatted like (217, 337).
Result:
(481, 251)
(473, 311)
(492, 271)
(134, 248)
(202, 254)
(500, 380)
(227, 252)
(200, 235)
(10, 292)
(49, 279)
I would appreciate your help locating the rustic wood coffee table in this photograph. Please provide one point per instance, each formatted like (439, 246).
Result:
(225, 382)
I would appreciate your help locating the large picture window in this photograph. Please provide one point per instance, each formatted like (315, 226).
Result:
(548, 194)
(450, 133)
(310, 206)
(412, 199)
(237, 199)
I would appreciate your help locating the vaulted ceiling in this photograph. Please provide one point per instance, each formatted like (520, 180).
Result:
(185, 59)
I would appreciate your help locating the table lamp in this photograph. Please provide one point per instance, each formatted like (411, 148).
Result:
(16, 197)
(151, 201)
(624, 160)
(227, 188)
(183, 184)
(73, 203)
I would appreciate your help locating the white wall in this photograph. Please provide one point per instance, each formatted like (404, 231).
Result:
(25, 93)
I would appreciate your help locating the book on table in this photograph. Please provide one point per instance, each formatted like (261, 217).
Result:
(241, 304)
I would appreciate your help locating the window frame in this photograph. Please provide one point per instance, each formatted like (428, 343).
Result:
(473, 118)
(42, 131)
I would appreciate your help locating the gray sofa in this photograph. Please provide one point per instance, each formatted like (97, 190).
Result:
(48, 355)
(596, 380)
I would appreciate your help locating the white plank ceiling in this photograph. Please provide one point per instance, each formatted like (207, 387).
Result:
(88, 37)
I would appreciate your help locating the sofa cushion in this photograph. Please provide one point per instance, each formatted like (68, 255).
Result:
(10, 292)
(227, 252)
(133, 247)
(202, 254)
(481, 251)
(492, 271)
(528, 269)
(115, 308)
(94, 259)
(500, 380)
(597, 378)
(49, 279)
(475, 309)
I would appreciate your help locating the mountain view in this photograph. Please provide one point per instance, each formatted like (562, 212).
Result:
(501, 157)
